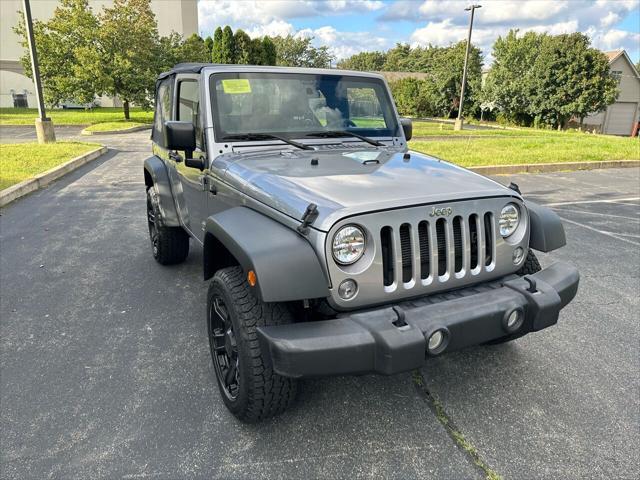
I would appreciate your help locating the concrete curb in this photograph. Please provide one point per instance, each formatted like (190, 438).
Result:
(115, 132)
(43, 179)
(553, 167)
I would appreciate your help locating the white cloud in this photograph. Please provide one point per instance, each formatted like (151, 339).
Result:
(614, 39)
(439, 22)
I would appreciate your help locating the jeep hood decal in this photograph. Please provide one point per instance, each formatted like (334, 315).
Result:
(345, 183)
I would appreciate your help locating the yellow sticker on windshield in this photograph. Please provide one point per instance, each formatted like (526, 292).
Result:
(236, 85)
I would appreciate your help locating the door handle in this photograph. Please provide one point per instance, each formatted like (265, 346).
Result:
(175, 157)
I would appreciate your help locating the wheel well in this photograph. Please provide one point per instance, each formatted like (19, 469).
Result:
(216, 256)
(148, 181)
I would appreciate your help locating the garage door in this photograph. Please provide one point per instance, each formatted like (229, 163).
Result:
(620, 118)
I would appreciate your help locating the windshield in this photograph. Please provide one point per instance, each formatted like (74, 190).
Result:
(295, 105)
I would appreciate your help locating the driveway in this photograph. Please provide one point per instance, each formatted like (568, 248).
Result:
(106, 371)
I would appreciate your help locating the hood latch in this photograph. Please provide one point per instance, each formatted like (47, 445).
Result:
(310, 215)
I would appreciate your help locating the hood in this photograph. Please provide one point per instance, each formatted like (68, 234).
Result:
(347, 182)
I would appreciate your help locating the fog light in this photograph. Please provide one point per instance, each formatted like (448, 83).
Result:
(518, 255)
(513, 320)
(435, 340)
(347, 289)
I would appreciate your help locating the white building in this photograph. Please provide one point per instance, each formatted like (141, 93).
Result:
(621, 116)
(180, 16)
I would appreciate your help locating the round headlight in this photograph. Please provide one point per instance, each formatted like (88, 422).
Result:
(348, 245)
(509, 219)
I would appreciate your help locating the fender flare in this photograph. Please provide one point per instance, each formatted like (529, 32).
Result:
(156, 171)
(286, 265)
(547, 232)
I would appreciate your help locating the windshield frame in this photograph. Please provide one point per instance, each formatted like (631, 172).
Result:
(390, 116)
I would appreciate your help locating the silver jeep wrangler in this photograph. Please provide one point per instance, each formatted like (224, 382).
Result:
(330, 248)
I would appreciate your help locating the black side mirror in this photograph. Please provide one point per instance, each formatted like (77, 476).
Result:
(180, 136)
(407, 128)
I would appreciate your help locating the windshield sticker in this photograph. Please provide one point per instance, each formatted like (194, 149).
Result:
(363, 156)
(236, 85)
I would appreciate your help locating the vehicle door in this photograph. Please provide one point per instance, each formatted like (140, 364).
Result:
(188, 182)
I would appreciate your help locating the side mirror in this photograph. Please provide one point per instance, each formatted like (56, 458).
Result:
(407, 128)
(180, 136)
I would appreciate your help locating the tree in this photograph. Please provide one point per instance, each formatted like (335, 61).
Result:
(193, 49)
(364, 61)
(216, 48)
(208, 42)
(63, 41)
(510, 81)
(243, 52)
(397, 59)
(299, 52)
(570, 79)
(126, 61)
(227, 46)
(268, 55)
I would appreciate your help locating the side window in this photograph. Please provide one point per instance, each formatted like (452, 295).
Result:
(163, 110)
(189, 106)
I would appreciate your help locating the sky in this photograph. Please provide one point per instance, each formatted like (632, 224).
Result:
(352, 26)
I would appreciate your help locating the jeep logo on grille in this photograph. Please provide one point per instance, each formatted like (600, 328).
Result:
(440, 212)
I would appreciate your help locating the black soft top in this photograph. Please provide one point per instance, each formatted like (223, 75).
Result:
(185, 68)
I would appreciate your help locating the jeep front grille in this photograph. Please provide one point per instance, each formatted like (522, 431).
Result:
(411, 253)
(444, 248)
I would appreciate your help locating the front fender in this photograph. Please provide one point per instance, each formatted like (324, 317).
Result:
(286, 266)
(157, 171)
(547, 232)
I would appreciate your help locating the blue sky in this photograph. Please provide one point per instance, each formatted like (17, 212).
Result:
(352, 26)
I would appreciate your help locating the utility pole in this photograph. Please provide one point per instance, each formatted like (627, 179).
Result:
(459, 120)
(44, 126)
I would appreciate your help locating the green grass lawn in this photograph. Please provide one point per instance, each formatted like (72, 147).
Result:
(27, 116)
(544, 148)
(21, 161)
(111, 126)
(433, 129)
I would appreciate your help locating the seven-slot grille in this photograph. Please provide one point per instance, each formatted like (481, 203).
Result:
(441, 248)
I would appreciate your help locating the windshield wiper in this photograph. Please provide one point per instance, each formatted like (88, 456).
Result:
(344, 133)
(266, 136)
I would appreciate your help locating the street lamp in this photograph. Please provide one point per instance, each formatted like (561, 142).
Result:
(459, 120)
(44, 126)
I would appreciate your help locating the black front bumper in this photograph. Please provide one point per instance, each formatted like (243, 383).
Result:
(394, 339)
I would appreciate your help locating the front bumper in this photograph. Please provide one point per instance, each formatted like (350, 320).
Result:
(394, 339)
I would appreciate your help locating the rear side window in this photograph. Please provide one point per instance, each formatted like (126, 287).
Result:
(163, 109)
(189, 106)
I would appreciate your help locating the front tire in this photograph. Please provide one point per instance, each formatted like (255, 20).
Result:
(249, 387)
(169, 245)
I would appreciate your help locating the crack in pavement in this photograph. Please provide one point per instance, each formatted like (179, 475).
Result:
(452, 430)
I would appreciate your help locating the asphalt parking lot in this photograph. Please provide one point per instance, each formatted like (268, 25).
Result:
(106, 373)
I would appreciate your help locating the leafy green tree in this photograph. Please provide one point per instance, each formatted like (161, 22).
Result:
(227, 46)
(397, 59)
(193, 49)
(510, 81)
(364, 61)
(243, 48)
(267, 52)
(208, 42)
(216, 48)
(570, 79)
(126, 61)
(63, 41)
(299, 52)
